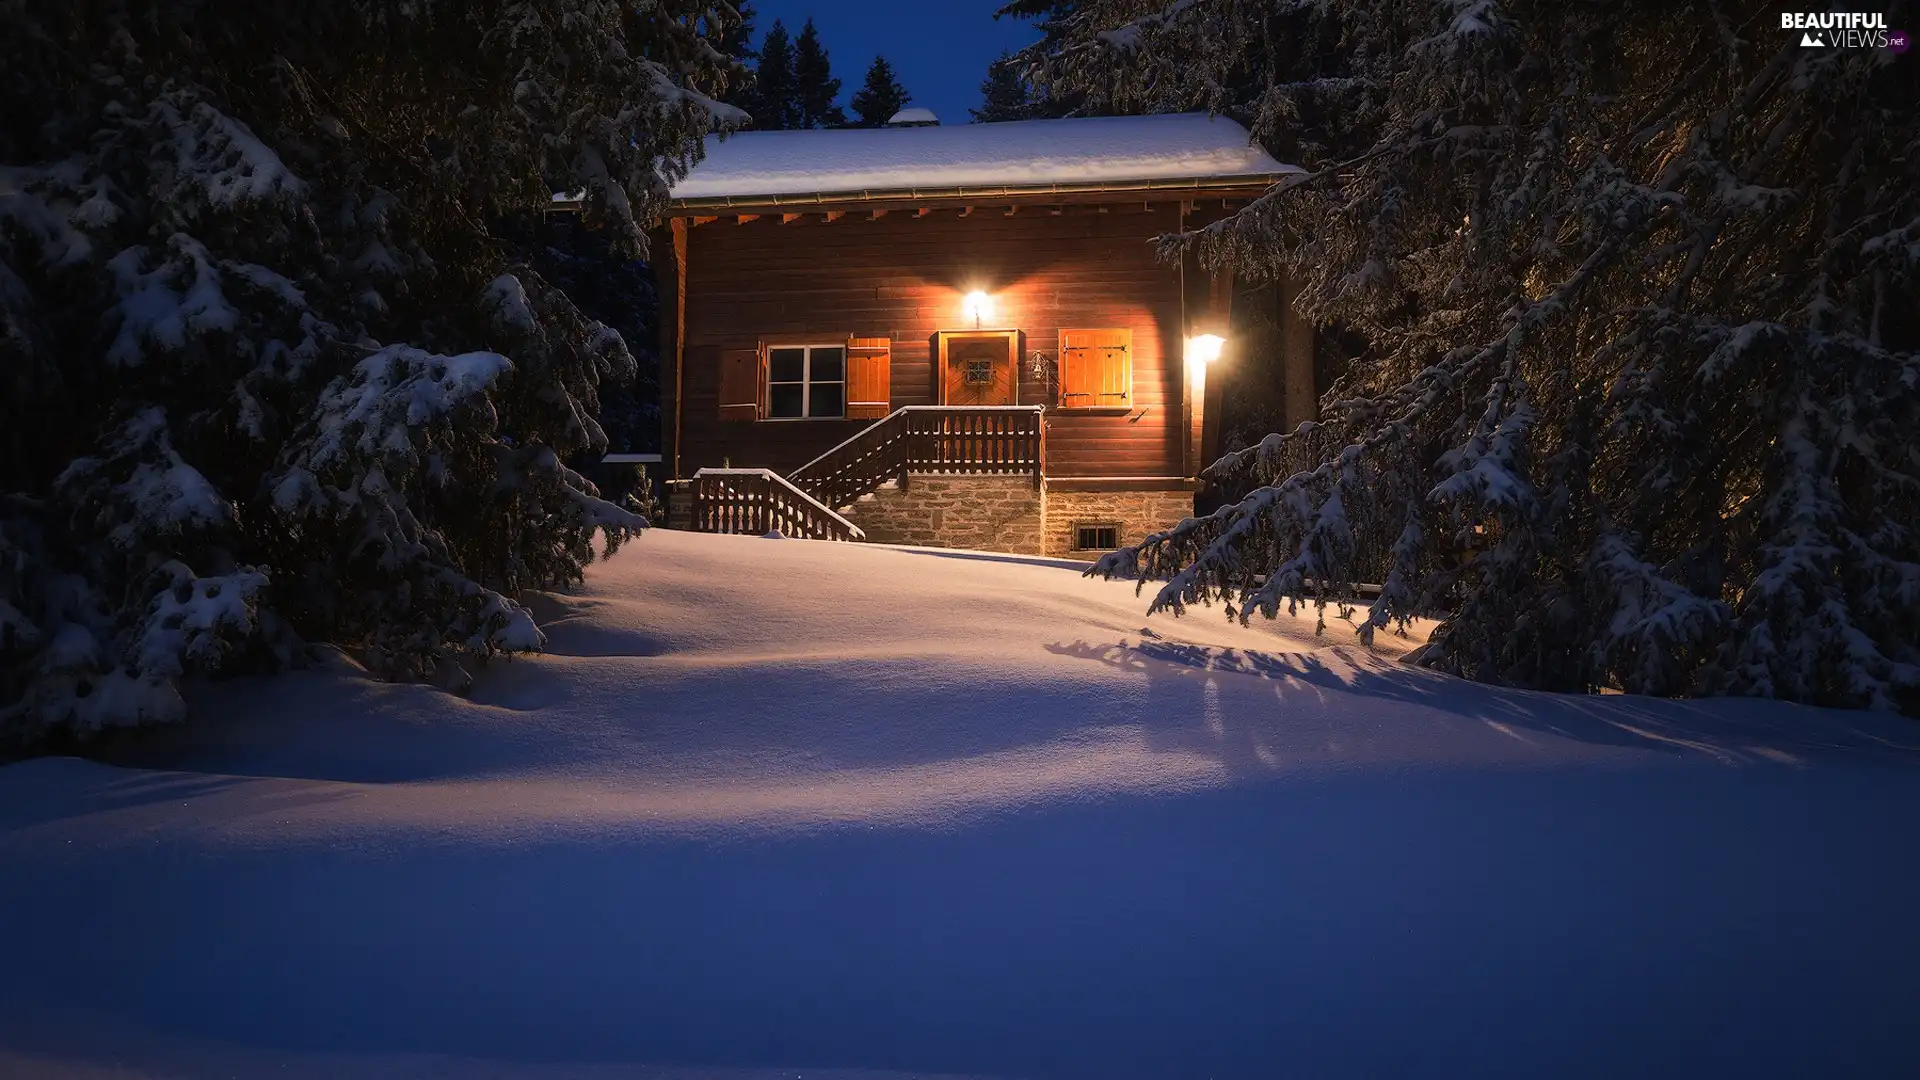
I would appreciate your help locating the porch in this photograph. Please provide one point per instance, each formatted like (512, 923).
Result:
(945, 440)
(933, 475)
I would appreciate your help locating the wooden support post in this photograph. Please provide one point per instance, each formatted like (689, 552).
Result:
(679, 229)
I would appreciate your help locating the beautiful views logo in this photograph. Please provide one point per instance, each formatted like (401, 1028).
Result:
(1844, 30)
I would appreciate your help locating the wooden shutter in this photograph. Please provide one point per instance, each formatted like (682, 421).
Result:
(742, 382)
(869, 378)
(1096, 368)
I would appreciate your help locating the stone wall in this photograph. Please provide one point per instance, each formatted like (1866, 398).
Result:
(1005, 513)
(985, 513)
(1137, 513)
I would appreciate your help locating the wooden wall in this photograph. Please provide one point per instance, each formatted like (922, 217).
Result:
(904, 276)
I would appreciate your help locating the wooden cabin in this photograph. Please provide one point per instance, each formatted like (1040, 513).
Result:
(957, 336)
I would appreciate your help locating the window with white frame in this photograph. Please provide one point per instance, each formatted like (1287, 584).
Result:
(805, 381)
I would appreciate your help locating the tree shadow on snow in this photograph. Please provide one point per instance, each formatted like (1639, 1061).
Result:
(56, 789)
(1202, 688)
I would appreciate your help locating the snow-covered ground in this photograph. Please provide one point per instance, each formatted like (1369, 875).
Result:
(780, 808)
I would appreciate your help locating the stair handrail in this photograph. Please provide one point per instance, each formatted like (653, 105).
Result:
(902, 411)
(883, 450)
(834, 522)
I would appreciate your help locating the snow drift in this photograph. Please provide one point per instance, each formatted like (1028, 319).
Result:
(794, 808)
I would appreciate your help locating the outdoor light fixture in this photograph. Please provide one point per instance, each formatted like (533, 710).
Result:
(1205, 348)
(978, 306)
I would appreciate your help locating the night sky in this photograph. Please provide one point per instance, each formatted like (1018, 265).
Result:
(939, 48)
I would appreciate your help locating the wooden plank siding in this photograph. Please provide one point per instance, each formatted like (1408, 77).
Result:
(809, 281)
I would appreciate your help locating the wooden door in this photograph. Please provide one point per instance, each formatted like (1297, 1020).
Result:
(980, 368)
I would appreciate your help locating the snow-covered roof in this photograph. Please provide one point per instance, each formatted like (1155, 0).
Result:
(1082, 153)
(913, 116)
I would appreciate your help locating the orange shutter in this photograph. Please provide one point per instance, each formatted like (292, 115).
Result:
(1096, 368)
(741, 384)
(869, 378)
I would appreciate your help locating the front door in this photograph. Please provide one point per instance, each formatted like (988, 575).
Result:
(980, 367)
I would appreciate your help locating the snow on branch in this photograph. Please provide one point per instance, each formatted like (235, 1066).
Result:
(218, 160)
(393, 393)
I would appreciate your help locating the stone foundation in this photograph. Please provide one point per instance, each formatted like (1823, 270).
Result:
(985, 513)
(989, 513)
(1134, 514)
(1005, 513)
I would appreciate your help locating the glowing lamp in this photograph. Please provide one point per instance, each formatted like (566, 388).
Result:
(1205, 348)
(977, 306)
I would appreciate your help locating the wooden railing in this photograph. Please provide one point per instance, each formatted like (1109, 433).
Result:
(928, 438)
(871, 458)
(959, 439)
(760, 501)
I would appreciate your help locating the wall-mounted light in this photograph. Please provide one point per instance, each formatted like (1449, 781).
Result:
(1204, 348)
(977, 306)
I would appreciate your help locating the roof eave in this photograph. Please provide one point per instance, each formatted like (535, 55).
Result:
(1096, 191)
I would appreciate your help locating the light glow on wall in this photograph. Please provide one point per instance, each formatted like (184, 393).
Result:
(977, 306)
(1205, 348)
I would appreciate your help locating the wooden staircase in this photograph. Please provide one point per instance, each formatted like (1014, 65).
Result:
(950, 439)
(979, 439)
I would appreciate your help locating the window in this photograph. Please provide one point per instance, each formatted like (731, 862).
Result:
(1096, 369)
(806, 381)
(1095, 537)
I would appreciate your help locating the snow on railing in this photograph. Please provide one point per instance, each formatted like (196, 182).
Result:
(759, 501)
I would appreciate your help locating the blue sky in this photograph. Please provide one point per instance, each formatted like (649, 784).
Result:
(940, 48)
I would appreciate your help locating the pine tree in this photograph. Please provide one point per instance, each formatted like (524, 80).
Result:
(880, 96)
(776, 93)
(1005, 94)
(282, 381)
(816, 90)
(1638, 405)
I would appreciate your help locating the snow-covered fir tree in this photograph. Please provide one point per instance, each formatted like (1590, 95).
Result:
(734, 39)
(272, 377)
(1639, 285)
(1009, 92)
(617, 289)
(880, 96)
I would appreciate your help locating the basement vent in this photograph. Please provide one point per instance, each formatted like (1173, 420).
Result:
(1095, 537)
